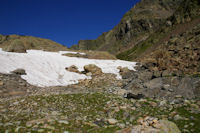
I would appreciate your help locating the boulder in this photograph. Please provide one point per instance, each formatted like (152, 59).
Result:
(123, 69)
(189, 87)
(95, 70)
(162, 126)
(168, 127)
(133, 96)
(125, 72)
(19, 72)
(145, 75)
(154, 83)
(166, 73)
(72, 68)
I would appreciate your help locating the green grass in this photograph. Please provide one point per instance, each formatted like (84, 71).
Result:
(140, 48)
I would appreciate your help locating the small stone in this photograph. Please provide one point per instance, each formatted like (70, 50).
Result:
(35, 104)
(155, 121)
(170, 90)
(127, 123)
(178, 96)
(89, 74)
(192, 118)
(178, 117)
(8, 124)
(1, 83)
(166, 86)
(123, 107)
(157, 125)
(28, 124)
(49, 127)
(132, 118)
(192, 124)
(186, 126)
(54, 113)
(140, 120)
(137, 105)
(162, 103)
(186, 131)
(15, 103)
(187, 102)
(17, 129)
(122, 125)
(40, 130)
(133, 108)
(198, 103)
(194, 106)
(112, 121)
(63, 122)
(153, 104)
(121, 92)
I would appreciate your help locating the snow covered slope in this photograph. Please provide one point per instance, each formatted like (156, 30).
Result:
(48, 68)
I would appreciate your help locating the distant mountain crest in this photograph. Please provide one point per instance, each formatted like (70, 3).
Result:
(17, 43)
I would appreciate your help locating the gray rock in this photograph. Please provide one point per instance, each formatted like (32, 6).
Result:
(189, 87)
(166, 73)
(157, 74)
(112, 121)
(145, 75)
(168, 127)
(163, 126)
(154, 83)
(63, 122)
(178, 117)
(19, 72)
(170, 90)
(162, 103)
(122, 125)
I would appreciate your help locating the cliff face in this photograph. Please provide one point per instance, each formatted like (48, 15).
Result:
(137, 24)
(16, 43)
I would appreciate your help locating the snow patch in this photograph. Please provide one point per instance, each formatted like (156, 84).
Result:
(48, 68)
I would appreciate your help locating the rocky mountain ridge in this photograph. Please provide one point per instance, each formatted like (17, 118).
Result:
(143, 19)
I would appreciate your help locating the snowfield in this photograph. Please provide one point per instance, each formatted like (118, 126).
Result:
(46, 69)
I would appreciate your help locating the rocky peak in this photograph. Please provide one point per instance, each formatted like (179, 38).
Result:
(143, 19)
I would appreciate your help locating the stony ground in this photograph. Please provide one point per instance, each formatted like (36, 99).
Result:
(92, 112)
(95, 105)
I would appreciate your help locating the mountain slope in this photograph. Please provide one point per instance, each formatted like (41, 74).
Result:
(173, 47)
(136, 25)
(16, 43)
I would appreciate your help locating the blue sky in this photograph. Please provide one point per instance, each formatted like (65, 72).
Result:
(63, 21)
